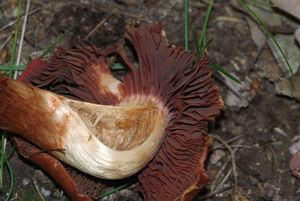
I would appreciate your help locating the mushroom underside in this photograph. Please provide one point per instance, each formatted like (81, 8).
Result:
(169, 85)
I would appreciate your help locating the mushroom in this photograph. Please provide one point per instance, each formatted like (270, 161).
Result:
(152, 123)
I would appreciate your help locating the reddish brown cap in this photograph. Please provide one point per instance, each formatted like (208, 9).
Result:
(184, 84)
(180, 80)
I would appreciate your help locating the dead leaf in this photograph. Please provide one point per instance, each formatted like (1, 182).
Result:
(295, 165)
(257, 35)
(297, 35)
(273, 18)
(289, 87)
(12, 3)
(269, 68)
(288, 45)
(238, 195)
(3, 55)
(290, 6)
(239, 95)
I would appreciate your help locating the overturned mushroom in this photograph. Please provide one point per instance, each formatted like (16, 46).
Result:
(110, 142)
(153, 123)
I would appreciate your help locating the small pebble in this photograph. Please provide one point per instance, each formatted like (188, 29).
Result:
(25, 181)
(45, 192)
(216, 156)
(294, 147)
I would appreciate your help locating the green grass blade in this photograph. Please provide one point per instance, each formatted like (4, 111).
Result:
(2, 157)
(12, 67)
(199, 49)
(15, 39)
(113, 190)
(201, 43)
(57, 41)
(224, 72)
(202, 37)
(195, 41)
(261, 4)
(186, 25)
(11, 178)
(3, 160)
(267, 32)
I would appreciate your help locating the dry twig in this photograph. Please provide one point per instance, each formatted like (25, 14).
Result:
(98, 25)
(11, 23)
(36, 186)
(6, 41)
(215, 189)
(232, 154)
(22, 37)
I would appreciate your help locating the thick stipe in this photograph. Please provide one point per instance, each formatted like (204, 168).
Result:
(180, 82)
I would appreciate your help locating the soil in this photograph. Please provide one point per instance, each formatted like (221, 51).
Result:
(260, 133)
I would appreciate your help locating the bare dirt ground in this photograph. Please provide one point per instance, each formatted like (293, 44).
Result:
(258, 125)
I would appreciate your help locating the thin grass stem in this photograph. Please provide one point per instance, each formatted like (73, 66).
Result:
(202, 37)
(57, 41)
(11, 178)
(2, 157)
(22, 37)
(186, 25)
(111, 191)
(267, 32)
(261, 4)
(12, 67)
(3, 143)
(224, 72)
(15, 39)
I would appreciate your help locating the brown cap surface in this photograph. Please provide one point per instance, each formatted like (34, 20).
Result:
(180, 80)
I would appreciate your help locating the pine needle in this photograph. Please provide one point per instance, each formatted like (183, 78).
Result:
(186, 25)
(267, 32)
(57, 41)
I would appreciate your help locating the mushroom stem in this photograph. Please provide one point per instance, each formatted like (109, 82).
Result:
(28, 111)
(110, 142)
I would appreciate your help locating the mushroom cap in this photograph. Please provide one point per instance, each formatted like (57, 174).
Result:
(167, 76)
